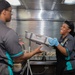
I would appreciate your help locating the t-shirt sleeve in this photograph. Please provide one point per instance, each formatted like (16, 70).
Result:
(12, 44)
(74, 43)
(69, 45)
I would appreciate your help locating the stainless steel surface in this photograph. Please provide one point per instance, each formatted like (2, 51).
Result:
(46, 28)
(42, 62)
(45, 15)
(49, 9)
(46, 5)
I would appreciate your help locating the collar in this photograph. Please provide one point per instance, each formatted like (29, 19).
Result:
(62, 39)
(3, 22)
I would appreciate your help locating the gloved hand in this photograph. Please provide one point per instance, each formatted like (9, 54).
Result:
(50, 41)
(56, 42)
(53, 41)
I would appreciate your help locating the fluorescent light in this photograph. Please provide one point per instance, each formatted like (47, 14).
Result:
(69, 2)
(14, 2)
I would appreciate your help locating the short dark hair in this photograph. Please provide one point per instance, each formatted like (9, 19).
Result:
(71, 26)
(4, 5)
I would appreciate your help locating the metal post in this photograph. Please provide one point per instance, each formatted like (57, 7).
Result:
(27, 66)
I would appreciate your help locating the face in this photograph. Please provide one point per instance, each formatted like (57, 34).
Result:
(8, 14)
(64, 29)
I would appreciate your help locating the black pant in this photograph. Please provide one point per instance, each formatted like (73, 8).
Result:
(72, 72)
(60, 68)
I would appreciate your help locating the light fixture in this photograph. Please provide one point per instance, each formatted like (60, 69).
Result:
(14, 2)
(69, 2)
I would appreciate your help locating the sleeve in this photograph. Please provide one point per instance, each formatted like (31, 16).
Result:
(74, 43)
(12, 44)
(69, 45)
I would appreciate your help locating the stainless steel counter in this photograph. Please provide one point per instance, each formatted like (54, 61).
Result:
(42, 62)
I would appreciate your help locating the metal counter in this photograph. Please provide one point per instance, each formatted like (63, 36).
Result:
(42, 62)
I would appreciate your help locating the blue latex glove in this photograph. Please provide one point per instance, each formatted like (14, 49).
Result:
(56, 42)
(50, 41)
(53, 41)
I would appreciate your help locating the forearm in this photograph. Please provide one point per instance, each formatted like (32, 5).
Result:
(25, 56)
(62, 50)
(28, 55)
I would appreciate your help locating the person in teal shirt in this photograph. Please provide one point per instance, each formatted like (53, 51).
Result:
(64, 49)
(10, 48)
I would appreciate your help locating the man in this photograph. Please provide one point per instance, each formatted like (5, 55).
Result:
(10, 49)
